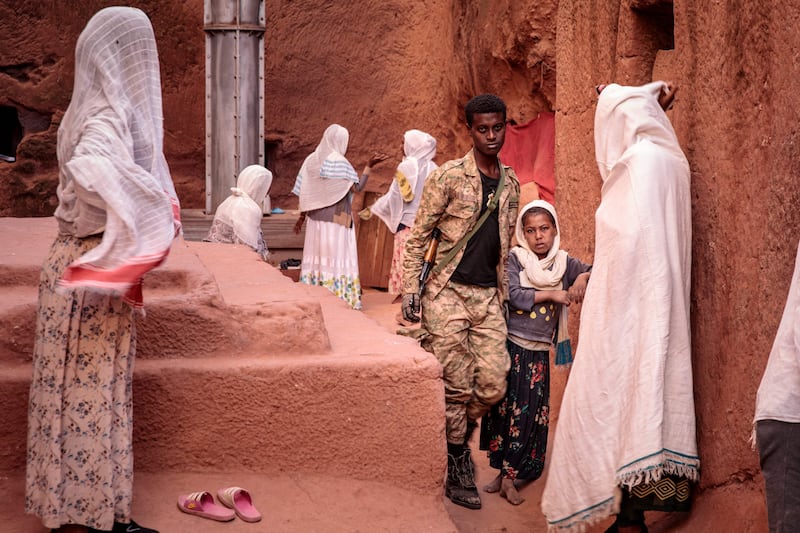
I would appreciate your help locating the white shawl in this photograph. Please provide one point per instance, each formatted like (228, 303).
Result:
(326, 176)
(546, 273)
(113, 177)
(627, 415)
(242, 209)
(395, 207)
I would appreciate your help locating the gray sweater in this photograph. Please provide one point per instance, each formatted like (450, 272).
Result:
(539, 323)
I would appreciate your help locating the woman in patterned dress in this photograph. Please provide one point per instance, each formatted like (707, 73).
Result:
(325, 184)
(117, 216)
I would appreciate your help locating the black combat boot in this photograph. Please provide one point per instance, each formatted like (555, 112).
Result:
(460, 485)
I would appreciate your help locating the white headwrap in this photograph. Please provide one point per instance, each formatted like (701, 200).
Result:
(546, 273)
(635, 118)
(113, 177)
(242, 209)
(326, 175)
(420, 149)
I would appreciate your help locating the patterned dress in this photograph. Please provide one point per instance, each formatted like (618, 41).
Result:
(330, 250)
(515, 430)
(396, 270)
(80, 462)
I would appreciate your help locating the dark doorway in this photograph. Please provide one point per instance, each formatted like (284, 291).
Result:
(11, 133)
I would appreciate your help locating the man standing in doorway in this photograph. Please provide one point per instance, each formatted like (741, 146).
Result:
(473, 202)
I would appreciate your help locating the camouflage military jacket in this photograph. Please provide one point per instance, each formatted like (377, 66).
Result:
(451, 201)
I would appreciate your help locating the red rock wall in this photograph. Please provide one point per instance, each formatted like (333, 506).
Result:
(381, 67)
(735, 114)
(376, 67)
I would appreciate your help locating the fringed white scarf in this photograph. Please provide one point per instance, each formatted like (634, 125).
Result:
(627, 415)
(545, 274)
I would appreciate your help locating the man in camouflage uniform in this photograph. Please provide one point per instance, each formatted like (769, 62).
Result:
(462, 304)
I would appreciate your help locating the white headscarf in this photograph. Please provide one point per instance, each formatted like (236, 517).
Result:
(420, 149)
(626, 115)
(242, 209)
(326, 175)
(113, 177)
(546, 273)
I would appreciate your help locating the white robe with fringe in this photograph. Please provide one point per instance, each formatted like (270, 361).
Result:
(627, 415)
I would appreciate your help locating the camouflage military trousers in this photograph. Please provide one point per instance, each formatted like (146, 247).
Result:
(467, 334)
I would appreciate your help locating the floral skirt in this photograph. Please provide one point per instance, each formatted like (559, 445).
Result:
(515, 430)
(330, 259)
(80, 462)
(396, 270)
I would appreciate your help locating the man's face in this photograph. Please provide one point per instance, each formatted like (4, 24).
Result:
(488, 132)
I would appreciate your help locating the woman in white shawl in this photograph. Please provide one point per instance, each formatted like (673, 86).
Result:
(325, 184)
(625, 437)
(398, 207)
(117, 216)
(238, 218)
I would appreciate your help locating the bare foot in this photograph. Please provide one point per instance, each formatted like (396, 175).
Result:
(494, 486)
(509, 492)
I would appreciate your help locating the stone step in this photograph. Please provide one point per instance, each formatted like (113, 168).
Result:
(241, 370)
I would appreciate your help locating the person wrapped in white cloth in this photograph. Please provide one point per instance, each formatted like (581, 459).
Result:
(325, 184)
(398, 207)
(117, 217)
(625, 437)
(238, 217)
(777, 417)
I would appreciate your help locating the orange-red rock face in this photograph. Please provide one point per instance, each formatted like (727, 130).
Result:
(410, 65)
(414, 64)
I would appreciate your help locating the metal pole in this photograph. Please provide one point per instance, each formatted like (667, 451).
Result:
(234, 92)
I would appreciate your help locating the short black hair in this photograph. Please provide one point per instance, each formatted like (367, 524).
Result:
(484, 103)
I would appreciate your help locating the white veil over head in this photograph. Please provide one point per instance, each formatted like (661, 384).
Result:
(419, 149)
(326, 176)
(242, 209)
(113, 176)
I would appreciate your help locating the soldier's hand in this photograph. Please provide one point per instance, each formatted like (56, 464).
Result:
(410, 307)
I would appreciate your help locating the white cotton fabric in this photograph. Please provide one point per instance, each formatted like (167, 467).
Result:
(419, 149)
(113, 177)
(779, 393)
(242, 209)
(627, 414)
(546, 273)
(330, 260)
(316, 191)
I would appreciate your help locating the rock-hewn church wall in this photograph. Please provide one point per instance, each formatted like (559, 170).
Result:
(736, 116)
(381, 67)
(376, 67)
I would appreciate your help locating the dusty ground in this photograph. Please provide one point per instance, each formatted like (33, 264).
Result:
(496, 514)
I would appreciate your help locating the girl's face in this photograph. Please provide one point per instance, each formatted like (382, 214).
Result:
(539, 233)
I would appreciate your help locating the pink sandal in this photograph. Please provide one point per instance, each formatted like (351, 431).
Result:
(202, 504)
(240, 501)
